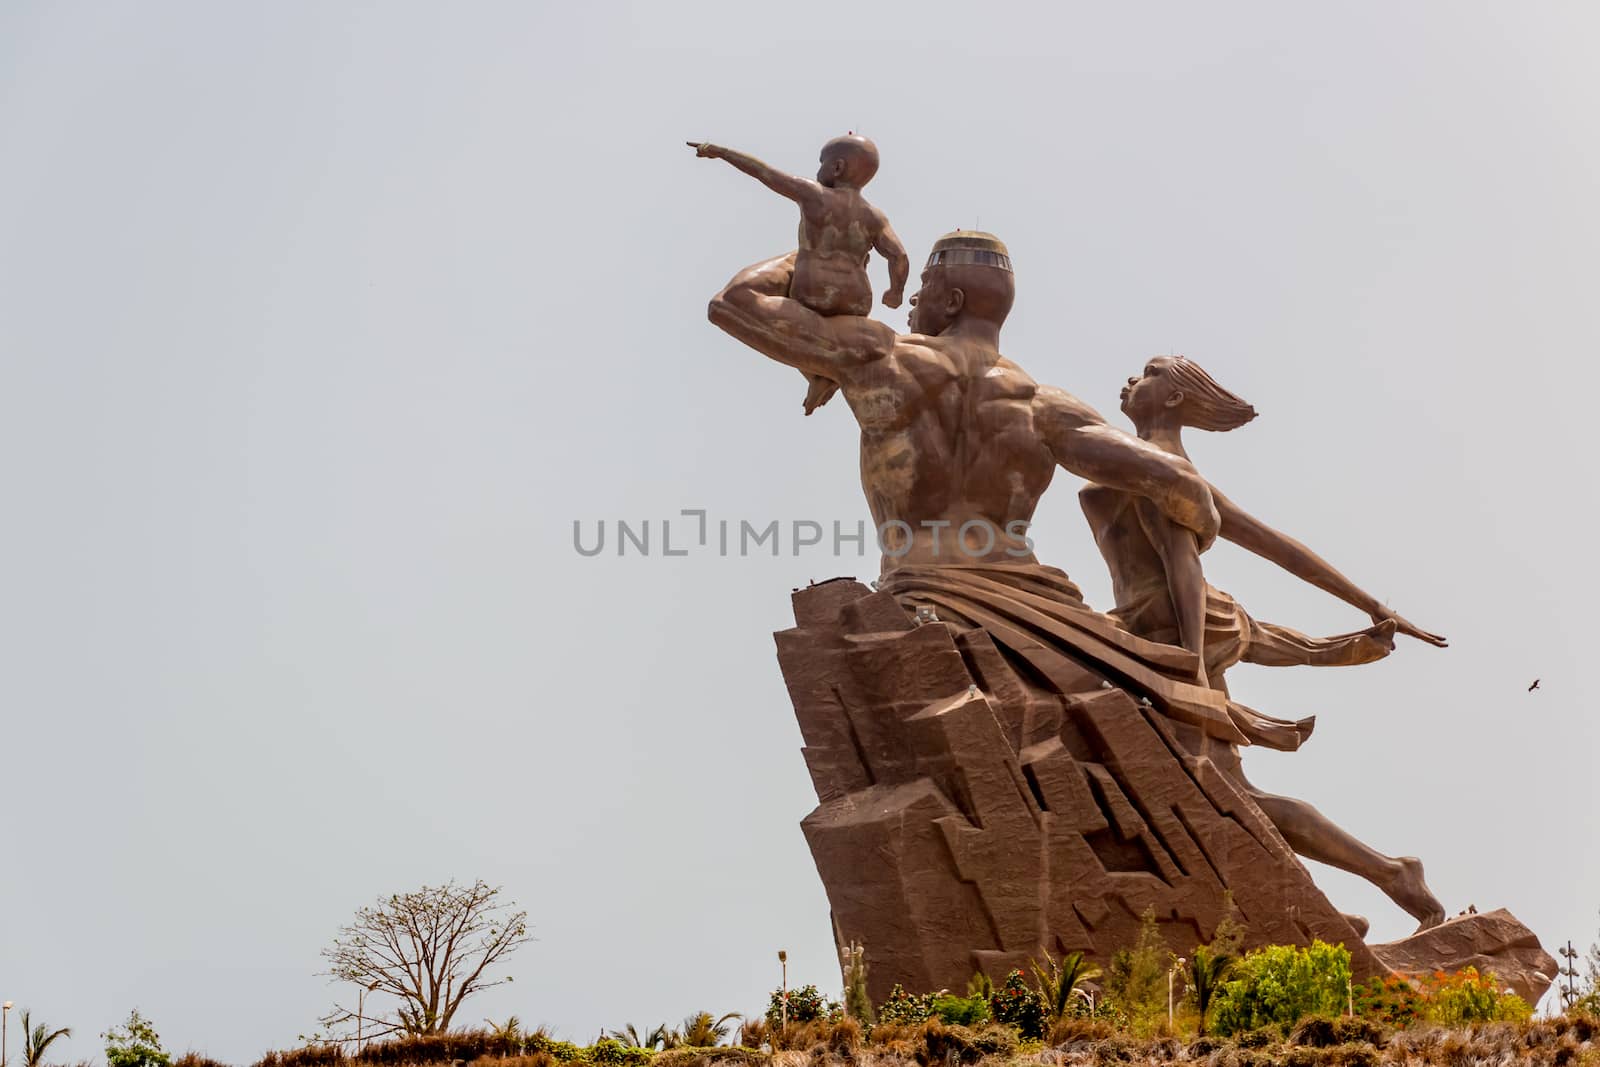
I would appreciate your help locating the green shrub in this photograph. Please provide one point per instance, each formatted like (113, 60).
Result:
(960, 1011)
(1281, 984)
(1390, 1000)
(906, 1009)
(1018, 1005)
(805, 1005)
(1469, 997)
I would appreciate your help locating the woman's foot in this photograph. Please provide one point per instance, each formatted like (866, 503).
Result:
(1411, 892)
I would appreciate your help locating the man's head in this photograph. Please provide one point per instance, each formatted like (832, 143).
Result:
(848, 161)
(1178, 391)
(968, 275)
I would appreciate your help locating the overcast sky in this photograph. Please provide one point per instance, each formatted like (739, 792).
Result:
(321, 323)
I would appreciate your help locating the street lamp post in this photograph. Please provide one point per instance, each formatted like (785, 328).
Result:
(783, 1001)
(1175, 968)
(5, 1014)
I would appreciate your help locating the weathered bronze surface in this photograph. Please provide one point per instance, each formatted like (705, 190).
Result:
(1001, 770)
(1162, 594)
(838, 231)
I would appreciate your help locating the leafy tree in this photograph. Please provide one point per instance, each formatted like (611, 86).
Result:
(135, 1044)
(1137, 980)
(1058, 983)
(1207, 970)
(36, 1039)
(430, 949)
(1281, 984)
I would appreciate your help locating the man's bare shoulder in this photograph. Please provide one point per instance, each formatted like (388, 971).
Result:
(925, 354)
(1055, 408)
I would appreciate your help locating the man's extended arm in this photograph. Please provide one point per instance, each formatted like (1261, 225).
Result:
(798, 189)
(755, 308)
(1249, 532)
(1082, 442)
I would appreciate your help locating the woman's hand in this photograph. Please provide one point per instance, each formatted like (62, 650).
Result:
(1404, 626)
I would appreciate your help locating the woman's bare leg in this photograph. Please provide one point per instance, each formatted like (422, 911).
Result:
(1314, 836)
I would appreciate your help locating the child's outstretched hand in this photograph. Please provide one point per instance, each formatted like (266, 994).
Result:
(705, 149)
(893, 297)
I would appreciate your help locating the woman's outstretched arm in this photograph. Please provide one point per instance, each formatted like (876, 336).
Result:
(1249, 532)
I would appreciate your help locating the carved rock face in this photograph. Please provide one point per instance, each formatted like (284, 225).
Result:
(972, 817)
(1493, 942)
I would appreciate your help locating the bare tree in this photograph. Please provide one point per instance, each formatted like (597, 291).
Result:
(430, 949)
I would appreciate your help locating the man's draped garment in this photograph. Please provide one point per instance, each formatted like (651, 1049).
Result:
(1037, 615)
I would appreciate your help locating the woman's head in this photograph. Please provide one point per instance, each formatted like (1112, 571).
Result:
(1178, 389)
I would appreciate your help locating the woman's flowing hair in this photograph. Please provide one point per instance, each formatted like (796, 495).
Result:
(1207, 405)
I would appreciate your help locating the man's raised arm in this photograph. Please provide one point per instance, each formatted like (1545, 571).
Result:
(1082, 442)
(792, 186)
(755, 308)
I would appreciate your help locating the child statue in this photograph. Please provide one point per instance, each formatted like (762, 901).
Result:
(838, 232)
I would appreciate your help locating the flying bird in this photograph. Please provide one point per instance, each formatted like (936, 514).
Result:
(1534, 686)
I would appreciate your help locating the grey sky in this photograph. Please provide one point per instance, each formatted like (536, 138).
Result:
(321, 322)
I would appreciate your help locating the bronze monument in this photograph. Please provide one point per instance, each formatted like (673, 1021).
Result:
(1001, 770)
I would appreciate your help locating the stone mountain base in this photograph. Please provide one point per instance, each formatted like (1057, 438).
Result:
(973, 817)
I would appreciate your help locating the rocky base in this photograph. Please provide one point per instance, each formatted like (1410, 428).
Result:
(973, 817)
(1492, 941)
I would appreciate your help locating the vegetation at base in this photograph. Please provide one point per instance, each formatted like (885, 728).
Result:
(1281, 984)
(1279, 1004)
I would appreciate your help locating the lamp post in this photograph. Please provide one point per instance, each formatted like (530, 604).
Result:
(361, 1008)
(1176, 967)
(5, 1013)
(783, 1001)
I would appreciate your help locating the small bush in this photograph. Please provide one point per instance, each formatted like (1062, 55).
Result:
(906, 1008)
(1282, 984)
(961, 1011)
(1390, 1001)
(1469, 997)
(806, 1005)
(1018, 1005)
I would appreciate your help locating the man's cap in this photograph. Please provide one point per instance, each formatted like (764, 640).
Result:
(969, 248)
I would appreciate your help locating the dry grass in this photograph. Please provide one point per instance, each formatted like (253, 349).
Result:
(1564, 1042)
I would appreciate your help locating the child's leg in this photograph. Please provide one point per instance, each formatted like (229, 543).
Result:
(1186, 580)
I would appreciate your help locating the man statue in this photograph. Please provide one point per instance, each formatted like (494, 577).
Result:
(957, 445)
